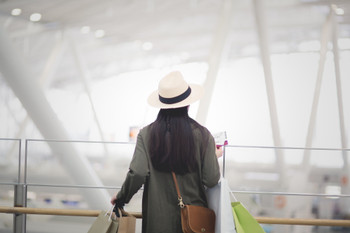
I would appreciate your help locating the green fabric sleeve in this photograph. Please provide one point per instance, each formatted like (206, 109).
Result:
(138, 171)
(210, 168)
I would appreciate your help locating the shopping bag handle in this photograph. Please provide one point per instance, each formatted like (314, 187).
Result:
(110, 212)
(233, 196)
(223, 179)
(120, 212)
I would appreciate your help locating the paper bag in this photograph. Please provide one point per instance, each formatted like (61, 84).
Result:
(127, 223)
(104, 224)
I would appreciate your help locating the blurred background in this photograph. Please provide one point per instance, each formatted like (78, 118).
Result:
(75, 76)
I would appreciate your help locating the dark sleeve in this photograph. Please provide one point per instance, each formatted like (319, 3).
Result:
(138, 171)
(210, 168)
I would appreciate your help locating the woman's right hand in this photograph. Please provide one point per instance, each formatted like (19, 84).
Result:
(114, 199)
(219, 151)
(117, 202)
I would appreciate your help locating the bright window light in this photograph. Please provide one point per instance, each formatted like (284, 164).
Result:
(339, 11)
(147, 46)
(31, 195)
(333, 190)
(16, 12)
(85, 29)
(344, 43)
(100, 33)
(184, 56)
(308, 46)
(35, 17)
(261, 176)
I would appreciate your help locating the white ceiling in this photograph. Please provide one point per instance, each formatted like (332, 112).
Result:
(180, 31)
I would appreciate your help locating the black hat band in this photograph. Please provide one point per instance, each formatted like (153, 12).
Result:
(175, 99)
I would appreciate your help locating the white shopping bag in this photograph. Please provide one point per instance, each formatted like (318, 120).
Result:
(219, 201)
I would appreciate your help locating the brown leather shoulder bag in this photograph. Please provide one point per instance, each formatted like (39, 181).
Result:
(195, 219)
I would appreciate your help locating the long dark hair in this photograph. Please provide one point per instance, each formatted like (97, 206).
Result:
(171, 141)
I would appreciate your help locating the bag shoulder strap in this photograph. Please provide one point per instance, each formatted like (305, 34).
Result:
(181, 204)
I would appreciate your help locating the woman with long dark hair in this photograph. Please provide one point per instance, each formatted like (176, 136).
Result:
(174, 142)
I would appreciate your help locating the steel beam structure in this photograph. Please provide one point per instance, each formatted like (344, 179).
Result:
(265, 58)
(215, 59)
(47, 73)
(84, 78)
(33, 99)
(326, 29)
(343, 136)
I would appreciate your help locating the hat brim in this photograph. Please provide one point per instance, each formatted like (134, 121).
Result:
(196, 94)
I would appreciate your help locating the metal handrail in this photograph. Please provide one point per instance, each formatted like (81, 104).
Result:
(95, 213)
(231, 146)
(233, 191)
(288, 148)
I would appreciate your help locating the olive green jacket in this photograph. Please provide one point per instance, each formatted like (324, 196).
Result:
(160, 210)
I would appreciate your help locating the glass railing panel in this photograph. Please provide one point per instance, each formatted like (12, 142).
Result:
(6, 195)
(67, 198)
(292, 187)
(58, 224)
(287, 170)
(303, 229)
(6, 200)
(266, 184)
(9, 160)
(296, 207)
(52, 162)
(9, 177)
(6, 223)
(72, 198)
(66, 224)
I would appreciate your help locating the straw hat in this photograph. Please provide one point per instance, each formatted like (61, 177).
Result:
(174, 92)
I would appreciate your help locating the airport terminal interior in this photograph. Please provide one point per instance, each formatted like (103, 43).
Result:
(75, 77)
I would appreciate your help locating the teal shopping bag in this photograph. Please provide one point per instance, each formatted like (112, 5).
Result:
(244, 221)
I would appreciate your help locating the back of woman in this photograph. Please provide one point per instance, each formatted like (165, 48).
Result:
(174, 142)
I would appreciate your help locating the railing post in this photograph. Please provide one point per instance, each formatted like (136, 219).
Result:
(20, 200)
(223, 161)
(20, 192)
